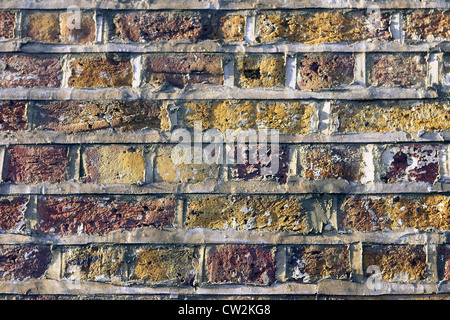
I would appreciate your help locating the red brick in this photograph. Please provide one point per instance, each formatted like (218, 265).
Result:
(21, 70)
(101, 215)
(7, 24)
(23, 262)
(240, 264)
(12, 213)
(312, 263)
(432, 25)
(13, 115)
(31, 164)
(444, 262)
(180, 70)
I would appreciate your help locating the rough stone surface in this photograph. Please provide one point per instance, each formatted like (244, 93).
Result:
(261, 71)
(101, 215)
(113, 164)
(7, 24)
(308, 264)
(231, 27)
(84, 33)
(240, 264)
(32, 164)
(44, 26)
(12, 213)
(429, 25)
(23, 262)
(325, 71)
(29, 71)
(13, 115)
(401, 263)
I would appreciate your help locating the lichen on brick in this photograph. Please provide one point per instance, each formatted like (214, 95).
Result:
(231, 27)
(84, 33)
(113, 164)
(261, 71)
(397, 263)
(43, 26)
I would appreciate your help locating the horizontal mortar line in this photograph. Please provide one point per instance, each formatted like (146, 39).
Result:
(208, 92)
(151, 136)
(222, 5)
(201, 236)
(238, 47)
(323, 287)
(295, 185)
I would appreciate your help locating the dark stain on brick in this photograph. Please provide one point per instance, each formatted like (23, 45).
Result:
(241, 264)
(101, 215)
(22, 262)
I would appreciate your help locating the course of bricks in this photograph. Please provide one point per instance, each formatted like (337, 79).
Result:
(92, 205)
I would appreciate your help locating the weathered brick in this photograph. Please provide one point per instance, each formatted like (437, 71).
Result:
(331, 162)
(7, 24)
(394, 212)
(240, 264)
(430, 25)
(101, 215)
(20, 70)
(396, 70)
(308, 264)
(98, 72)
(162, 26)
(260, 213)
(113, 164)
(249, 167)
(284, 116)
(43, 26)
(231, 27)
(13, 115)
(182, 69)
(261, 70)
(325, 71)
(86, 32)
(445, 80)
(94, 263)
(169, 169)
(411, 116)
(173, 265)
(411, 163)
(324, 26)
(444, 262)
(32, 164)
(72, 117)
(12, 213)
(397, 263)
(21, 262)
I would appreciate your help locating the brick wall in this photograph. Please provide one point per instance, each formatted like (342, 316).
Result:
(92, 205)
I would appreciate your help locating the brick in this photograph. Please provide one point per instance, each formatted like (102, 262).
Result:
(254, 170)
(261, 71)
(331, 162)
(182, 69)
(325, 71)
(101, 215)
(397, 263)
(7, 24)
(101, 72)
(32, 164)
(394, 213)
(430, 25)
(169, 169)
(380, 117)
(231, 27)
(323, 27)
(43, 26)
(113, 164)
(444, 262)
(240, 264)
(396, 70)
(20, 70)
(445, 80)
(86, 33)
(22, 262)
(311, 263)
(12, 214)
(13, 115)
(259, 213)
(285, 116)
(165, 26)
(85, 116)
(174, 265)
(94, 263)
(411, 163)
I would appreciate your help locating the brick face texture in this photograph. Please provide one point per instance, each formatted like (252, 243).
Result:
(108, 189)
